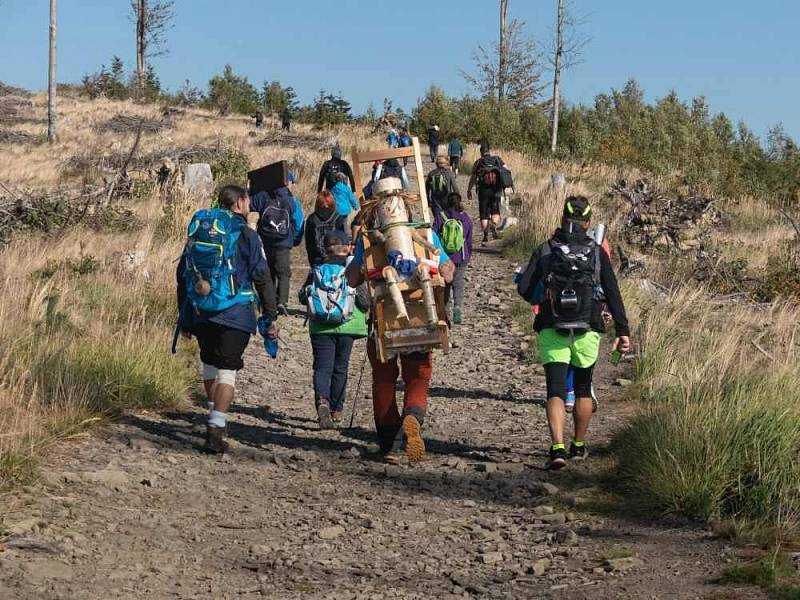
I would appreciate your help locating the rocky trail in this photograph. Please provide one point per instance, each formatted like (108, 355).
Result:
(133, 510)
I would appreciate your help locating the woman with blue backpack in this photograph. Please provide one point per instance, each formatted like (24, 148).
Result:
(454, 227)
(337, 316)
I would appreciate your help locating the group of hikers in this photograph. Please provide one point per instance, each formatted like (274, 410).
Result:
(237, 257)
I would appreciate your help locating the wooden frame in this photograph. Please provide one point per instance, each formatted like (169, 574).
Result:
(391, 335)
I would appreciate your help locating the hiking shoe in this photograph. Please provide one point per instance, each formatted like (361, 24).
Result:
(578, 452)
(569, 402)
(282, 310)
(457, 315)
(336, 416)
(395, 456)
(215, 440)
(558, 459)
(415, 445)
(324, 416)
(485, 239)
(493, 228)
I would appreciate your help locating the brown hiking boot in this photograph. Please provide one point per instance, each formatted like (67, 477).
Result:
(415, 445)
(324, 416)
(215, 440)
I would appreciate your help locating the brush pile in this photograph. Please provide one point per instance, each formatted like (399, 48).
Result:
(122, 123)
(295, 140)
(659, 223)
(9, 136)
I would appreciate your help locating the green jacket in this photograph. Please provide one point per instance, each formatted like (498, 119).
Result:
(356, 326)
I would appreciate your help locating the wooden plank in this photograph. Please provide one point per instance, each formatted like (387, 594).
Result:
(268, 178)
(423, 193)
(357, 175)
(384, 154)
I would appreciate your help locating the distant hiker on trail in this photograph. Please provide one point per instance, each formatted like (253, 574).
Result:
(320, 223)
(336, 318)
(286, 119)
(281, 229)
(384, 169)
(399, 433)
(346, 201)
(455, 150)
(486, 175)
(393, 139)
(433, 142)
(220, 315)
(439, 184)
(454, 227)
(569, 276)
(405, 142)
(259, 117)
(332, 167)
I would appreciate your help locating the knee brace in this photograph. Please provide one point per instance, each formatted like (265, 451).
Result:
(226, 377)
(209, 372)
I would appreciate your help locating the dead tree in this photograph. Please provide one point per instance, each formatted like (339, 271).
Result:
(503, 58)
(152, 18)
(511, 73)
(52, 116)
(566, 52)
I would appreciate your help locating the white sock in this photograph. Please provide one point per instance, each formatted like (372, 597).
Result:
(210, 406)
(217, 418)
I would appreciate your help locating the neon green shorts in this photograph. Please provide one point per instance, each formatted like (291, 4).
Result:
(556, 348)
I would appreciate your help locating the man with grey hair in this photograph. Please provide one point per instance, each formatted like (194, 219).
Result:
(331, 168)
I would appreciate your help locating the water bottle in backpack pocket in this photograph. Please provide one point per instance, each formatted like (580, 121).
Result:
(210, 258)
(328, 297)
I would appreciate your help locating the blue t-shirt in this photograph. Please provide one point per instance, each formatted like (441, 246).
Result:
(358, 254)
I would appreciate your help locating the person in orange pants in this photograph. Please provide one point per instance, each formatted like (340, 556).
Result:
(399, 431)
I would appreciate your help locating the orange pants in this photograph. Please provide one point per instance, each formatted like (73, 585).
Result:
(417, 369)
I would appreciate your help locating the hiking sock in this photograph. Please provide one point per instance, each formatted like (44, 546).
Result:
(558, 447)
(576, 443)
(217, 418)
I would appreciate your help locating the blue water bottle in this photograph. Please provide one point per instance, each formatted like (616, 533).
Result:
(270, 345)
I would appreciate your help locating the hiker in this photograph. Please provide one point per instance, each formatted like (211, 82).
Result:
(393, 139)
(454, 227)
(259, 117)
(405, 142)
(333, 166)
(485, 174)
(346, 201)
(336, 318)
(286, 119)
(384, 169)
(439, 184)
(433, 142)
(455, 150)
(570, 276)
(281, 229)
(223, 324)
(399, 433)
(320, 223)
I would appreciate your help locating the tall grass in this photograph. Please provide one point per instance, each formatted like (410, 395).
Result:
(719, 430)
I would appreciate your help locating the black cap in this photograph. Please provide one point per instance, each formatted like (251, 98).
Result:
(336, 238)
(484, 148)
(577, 208)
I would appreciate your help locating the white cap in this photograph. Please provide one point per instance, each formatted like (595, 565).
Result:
(436, 127)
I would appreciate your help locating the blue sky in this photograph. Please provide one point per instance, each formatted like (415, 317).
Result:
(743, 56)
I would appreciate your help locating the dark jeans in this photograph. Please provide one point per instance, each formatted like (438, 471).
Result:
(456, 289)
(434, 148)
(331, 360)
(279, 261)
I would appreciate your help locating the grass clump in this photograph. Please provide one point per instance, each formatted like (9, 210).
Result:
(720, 426)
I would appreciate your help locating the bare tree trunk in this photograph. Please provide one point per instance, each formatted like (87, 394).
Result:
(557, 75)
(141, 44)
(502, 67)
(52, 116)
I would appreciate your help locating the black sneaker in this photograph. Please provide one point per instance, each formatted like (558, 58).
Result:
(494, 230)
(215, 440)
(558, 459)
(578, 452)
(485, 239)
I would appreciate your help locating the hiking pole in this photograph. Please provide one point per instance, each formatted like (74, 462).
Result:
(358, 389)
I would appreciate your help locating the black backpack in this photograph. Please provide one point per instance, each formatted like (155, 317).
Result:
(505, 178)
(488, 171)
(323, 228)
(331, 174)
(572, 283)
(394, 169)
(276, 221)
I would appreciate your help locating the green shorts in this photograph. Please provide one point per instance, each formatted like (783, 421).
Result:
(556, 348)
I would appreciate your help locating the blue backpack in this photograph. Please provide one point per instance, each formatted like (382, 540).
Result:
(405, 140)
(328, 297)
(210, 252)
